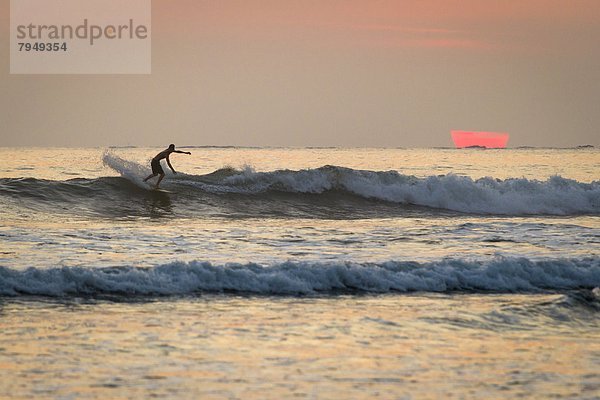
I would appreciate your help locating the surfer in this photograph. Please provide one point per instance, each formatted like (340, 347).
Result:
(157, 168)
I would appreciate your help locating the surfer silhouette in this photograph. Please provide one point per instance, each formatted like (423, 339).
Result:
(157, 168)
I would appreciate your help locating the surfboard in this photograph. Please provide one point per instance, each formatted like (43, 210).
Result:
(161, 191)
(154, 189)
(151, 187)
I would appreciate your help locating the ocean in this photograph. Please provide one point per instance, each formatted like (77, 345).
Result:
(320, 273)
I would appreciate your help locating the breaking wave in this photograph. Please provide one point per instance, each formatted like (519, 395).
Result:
(515, 196)
(328, 188)
(504, 275)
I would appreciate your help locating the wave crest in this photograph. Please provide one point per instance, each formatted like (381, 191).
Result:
(514, 196)
(294, 278)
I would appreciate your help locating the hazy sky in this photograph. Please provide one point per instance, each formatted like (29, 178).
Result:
(329, 73)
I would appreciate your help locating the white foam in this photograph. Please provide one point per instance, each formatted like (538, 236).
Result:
(515, 196)
(130, 170)
(497, 275)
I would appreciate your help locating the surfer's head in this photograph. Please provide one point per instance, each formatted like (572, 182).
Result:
(171, 146)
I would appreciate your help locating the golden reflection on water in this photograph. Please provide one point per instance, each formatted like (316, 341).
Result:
(426, 346)
(341, 347)
(105, 242)
(129, 236)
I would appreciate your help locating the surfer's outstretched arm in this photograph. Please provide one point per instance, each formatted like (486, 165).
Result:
(170, 166)
(182, 152)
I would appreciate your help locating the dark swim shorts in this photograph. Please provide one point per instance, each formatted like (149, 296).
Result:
(156, 167)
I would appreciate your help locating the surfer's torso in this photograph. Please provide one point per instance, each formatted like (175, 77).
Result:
(161, 155)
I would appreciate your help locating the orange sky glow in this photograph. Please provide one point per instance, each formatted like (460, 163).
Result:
(430, 23)
(331, 73)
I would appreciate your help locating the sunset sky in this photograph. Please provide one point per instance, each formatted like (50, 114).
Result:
(329, 73)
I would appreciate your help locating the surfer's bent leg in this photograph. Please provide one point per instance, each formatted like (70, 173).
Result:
(156, 170)
(160, 178)
(149, 176)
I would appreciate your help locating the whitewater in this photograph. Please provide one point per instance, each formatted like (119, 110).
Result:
(513, 196)
(292, 278)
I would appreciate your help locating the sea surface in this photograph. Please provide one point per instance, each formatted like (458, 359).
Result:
(320, 273)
